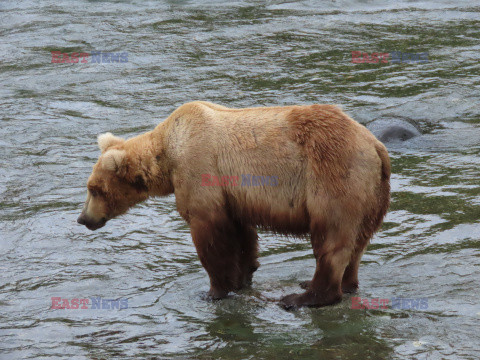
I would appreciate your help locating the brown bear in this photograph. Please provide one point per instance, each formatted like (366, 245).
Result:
(332, 182)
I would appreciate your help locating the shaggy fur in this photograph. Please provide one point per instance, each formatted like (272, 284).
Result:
(333, 184)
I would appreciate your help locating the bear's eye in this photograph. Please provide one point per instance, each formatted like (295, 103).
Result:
(94, 193)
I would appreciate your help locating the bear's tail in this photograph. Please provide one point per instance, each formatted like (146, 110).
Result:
(373, 220)
(384, 187)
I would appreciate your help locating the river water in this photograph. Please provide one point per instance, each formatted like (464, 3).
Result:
(245, 53)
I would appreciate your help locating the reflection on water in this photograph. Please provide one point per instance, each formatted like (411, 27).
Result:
(246, 53)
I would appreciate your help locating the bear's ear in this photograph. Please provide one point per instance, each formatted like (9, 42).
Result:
(114, 160)
(107, 140)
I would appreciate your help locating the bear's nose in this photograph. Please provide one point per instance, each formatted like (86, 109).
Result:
(81, 220)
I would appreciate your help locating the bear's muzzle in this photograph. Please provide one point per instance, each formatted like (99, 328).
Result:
(90, 223)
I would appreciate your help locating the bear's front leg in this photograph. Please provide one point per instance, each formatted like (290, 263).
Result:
(219, 247)
(248, 263)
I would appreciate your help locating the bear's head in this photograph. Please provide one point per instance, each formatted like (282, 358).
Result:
(117, 183)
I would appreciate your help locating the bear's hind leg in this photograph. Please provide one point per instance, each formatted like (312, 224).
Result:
(333, 250)
(350, 276)
(219, 252)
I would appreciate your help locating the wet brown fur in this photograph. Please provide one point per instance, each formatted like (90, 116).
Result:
(333, 185)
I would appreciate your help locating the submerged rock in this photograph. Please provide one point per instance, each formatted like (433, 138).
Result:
(389, 130)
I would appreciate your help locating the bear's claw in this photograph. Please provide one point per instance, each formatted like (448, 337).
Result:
(350, 288)
(346, 288)
(308, 298)
(217, 294)
(305, 284)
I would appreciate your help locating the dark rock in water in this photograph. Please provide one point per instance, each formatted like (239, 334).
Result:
(389, 130)
(397, 133)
